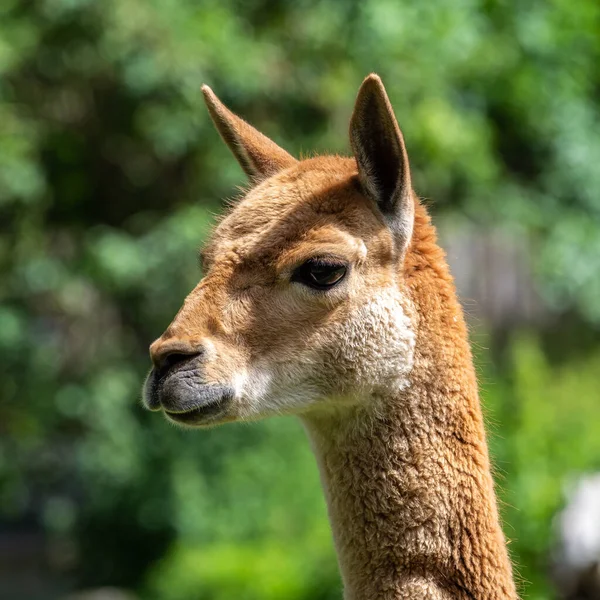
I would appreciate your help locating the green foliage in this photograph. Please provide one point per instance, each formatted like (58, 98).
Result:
(255, 527)
(110, 173)
(548, 436)
(294, 569)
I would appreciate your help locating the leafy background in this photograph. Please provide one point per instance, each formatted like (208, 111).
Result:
(110, 176)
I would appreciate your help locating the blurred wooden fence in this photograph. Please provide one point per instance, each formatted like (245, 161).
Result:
(492, 268)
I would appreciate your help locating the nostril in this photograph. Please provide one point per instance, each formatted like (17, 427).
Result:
(170, 360)
(166, 355)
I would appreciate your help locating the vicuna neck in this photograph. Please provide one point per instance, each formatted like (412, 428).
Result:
(409, 489)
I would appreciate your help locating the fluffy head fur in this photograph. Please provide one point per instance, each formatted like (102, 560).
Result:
(377, 366)
(282, 346)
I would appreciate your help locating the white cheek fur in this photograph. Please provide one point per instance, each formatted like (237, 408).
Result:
(378, 342)
(251, 386)
(372, 351)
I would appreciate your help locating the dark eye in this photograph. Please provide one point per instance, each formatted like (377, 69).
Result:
(320, 274)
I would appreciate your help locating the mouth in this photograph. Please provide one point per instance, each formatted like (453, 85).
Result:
(186, 400)
(199, 415)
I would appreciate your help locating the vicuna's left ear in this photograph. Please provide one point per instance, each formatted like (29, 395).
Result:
(379, 150)
(259, 156)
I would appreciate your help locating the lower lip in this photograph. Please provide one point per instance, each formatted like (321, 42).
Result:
(196, 415)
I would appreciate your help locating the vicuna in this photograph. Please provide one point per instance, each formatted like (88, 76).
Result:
(326, 296)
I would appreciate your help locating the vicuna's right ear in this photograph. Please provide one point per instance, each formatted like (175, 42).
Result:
(381, 157)
(258, 156)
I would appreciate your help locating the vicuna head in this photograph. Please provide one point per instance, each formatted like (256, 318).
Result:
(303, 305)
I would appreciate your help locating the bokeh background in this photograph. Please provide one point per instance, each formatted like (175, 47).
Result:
(111, 175)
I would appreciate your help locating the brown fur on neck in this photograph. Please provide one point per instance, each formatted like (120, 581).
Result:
(409, 487)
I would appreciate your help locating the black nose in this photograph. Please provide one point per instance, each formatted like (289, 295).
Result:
(167, 354)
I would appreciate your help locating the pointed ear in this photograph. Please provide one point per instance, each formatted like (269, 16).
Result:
(257, 154)
(381, 157)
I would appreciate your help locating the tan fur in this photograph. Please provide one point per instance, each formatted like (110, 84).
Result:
(378, 368)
